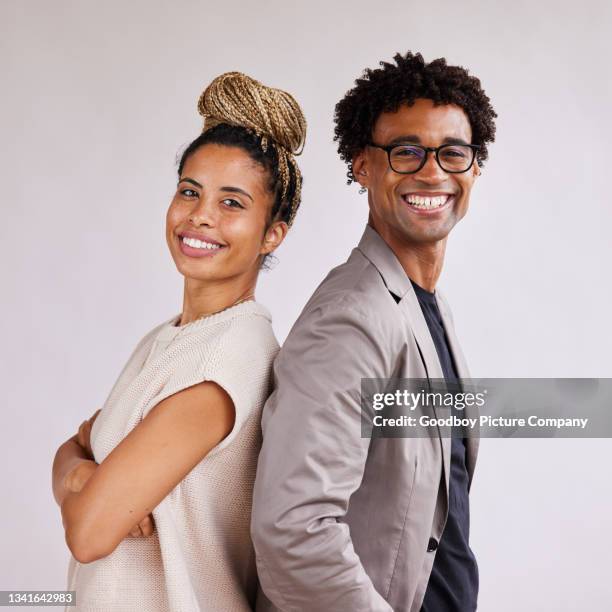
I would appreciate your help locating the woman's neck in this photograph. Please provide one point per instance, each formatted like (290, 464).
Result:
(201, 299)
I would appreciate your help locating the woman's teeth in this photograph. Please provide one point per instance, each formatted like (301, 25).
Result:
(198, 244)
(425, 202)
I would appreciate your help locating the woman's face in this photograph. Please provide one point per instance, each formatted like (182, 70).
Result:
(216, 222)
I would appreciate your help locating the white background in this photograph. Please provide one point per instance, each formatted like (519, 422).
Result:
(98, 98)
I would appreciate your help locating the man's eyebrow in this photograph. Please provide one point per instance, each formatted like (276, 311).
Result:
(415, 139)
(186, 179)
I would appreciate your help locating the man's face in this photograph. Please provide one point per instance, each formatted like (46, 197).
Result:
(390, 193)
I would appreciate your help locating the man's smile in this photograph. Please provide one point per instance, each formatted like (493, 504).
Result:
(428, 203)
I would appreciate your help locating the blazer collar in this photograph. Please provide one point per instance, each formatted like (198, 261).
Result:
(397, 281)
(380, 254)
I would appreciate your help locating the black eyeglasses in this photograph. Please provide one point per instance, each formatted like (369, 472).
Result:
(410, 158)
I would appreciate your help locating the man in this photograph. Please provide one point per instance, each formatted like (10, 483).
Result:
(343, 523)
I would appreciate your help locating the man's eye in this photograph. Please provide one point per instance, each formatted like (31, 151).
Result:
(455, 152)
(232, 203)
(190, 193)
(408, 152)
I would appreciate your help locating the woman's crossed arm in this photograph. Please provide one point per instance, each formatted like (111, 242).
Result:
(144, 467)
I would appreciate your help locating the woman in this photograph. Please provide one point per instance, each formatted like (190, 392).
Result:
(155, 490)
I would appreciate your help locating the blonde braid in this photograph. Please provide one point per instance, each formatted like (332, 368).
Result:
(272, 114)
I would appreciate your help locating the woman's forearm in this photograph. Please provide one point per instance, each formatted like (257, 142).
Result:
(68, 456)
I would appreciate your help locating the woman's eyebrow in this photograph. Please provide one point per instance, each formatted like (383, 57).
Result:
(186, 179)
(226, 188)
(237, 190)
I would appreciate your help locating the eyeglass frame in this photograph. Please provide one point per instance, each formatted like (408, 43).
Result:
(436, 150)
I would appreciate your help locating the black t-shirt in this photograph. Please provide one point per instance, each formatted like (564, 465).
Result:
(453, 584)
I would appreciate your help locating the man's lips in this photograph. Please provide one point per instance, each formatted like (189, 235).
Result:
(428, 204)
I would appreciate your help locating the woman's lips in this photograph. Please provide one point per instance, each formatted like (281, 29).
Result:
(427, 212)
(195, 252)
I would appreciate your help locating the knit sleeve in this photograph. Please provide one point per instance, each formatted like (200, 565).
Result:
(243, 368)
(239, 360)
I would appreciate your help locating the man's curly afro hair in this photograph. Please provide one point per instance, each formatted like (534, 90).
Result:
(385, 89)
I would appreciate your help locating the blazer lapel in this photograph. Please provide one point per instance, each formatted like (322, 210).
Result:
(395, 278)
(410, 304)
(472, 443)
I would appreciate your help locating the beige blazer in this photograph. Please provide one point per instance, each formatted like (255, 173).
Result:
(342, 523)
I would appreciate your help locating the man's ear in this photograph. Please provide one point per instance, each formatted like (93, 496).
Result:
(360, 169)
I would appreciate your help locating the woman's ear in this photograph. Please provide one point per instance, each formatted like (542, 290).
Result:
(273, 237)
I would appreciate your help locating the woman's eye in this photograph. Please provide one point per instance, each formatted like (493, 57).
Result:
(190, 193)
(232, 203)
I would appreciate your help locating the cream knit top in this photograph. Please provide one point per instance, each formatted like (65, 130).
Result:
(200, 556)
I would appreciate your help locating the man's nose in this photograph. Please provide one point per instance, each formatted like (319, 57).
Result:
(431, 171)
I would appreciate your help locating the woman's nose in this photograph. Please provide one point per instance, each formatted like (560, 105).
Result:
(203, 213)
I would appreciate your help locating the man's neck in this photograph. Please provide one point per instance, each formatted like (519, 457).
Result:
(422, 261)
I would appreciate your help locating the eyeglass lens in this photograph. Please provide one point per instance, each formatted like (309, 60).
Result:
(452, 158)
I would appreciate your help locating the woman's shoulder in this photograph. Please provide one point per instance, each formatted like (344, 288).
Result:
(248, 323)
(249, 338)
(160, 327)
(244, 339)
(143, 346)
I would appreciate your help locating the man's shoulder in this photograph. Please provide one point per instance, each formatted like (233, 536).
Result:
(356, 288)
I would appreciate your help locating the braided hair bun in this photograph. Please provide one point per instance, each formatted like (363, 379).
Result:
(238, 99)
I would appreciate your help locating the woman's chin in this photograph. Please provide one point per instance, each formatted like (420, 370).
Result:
(196, 271)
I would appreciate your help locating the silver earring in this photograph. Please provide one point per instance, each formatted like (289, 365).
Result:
(362, 190)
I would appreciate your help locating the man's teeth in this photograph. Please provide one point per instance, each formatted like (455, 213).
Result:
(425, 202)
(198, 244)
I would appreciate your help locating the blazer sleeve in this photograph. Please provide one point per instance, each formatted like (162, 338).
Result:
(312, 460)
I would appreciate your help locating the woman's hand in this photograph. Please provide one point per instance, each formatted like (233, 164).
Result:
(144, 528)
(75, 481)
(84, 433)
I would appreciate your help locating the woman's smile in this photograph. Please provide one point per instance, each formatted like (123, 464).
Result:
(193, 244)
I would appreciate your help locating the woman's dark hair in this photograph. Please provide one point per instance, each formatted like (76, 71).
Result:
(385, 89)
(248, 141)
